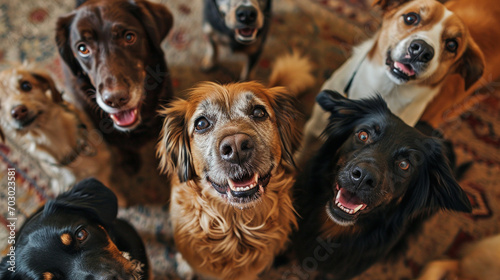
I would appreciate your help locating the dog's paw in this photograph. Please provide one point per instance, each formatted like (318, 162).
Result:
(184, 270)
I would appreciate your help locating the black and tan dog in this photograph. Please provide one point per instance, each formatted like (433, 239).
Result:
(77, 236)
(242, 25)
(118, 71)
(373, 182)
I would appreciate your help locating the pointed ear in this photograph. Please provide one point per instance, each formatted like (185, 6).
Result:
(287, 119)
(50, 85)
(387, 5)
(471, 64)
(89, 196)
(64, 45)
(328, 99)
(157, 20)
(173, 148)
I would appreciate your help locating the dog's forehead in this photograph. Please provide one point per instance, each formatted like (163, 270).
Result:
(104, 18)
(231, 105)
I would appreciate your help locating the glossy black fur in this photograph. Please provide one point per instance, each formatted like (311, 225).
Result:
(411, 197)
(89, 205)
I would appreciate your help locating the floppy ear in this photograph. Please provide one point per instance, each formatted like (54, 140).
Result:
(51, 85)
(387, 5)
(63, 43)
(173, 149)
(471, 64)
(89, 196)
(287, 118)
(157, 20)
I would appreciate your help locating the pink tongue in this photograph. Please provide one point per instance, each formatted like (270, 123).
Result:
(407, 70)
(125, 118)
(246, 31)
(244, 183)
(349, 200)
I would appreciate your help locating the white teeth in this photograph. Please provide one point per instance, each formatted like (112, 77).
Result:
(347, 210)
(358, 208)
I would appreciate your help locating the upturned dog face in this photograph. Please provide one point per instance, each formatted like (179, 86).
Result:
(113, 43)
(380, 163)
(244, 17)
(229, 139)
(26, 98)
(422, 41)
(68, 239)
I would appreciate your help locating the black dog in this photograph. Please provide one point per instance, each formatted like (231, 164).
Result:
(119, 73)
(241, 24)
(77, 236)
(372, 183)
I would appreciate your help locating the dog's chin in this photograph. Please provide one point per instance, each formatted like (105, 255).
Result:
(246, 35)
(345, 208)
(243, 192)
(400, 71)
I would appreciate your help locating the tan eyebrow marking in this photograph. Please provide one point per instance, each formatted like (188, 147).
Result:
(66, 239)
(47, 276)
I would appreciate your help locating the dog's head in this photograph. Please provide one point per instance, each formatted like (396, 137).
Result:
(422, 41)
(380, 163)
(244, 17)
(230, 139)
(113, 43)
(68, 239)
(26, 98)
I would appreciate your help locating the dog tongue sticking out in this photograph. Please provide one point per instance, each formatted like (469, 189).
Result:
(125, 118)
(348, 202)
(404, 68)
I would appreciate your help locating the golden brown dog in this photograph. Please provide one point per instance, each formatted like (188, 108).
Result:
(231, 147)
(481, 19)
(61, 137)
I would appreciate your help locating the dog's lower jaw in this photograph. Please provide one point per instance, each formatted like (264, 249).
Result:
(329, 211)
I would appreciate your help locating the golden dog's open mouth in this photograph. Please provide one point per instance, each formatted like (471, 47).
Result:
(242, 190)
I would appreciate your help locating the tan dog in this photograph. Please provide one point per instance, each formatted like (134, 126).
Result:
(481, 18)
(231, 147)
(419, 44)
(34, 115)
(480, 261)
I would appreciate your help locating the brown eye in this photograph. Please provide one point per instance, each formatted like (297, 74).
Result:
(81, 235)
(130, 37)
(451, 45)
(411, 18)
(201, 124)
(259, 112)
(363, 136)
(83, 50)
(26, 86)
(404, 165)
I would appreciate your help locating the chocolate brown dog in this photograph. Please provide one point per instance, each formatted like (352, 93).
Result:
(119, 74)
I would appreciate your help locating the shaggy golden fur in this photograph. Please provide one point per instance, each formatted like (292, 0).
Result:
(219, 233)
(55, 132)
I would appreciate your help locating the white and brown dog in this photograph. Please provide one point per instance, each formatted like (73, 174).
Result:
(61, 137)
(232, 148)
(419, 44)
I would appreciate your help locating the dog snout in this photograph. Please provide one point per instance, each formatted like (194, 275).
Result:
(246, 14)
(116, 97)
(236, 148)
(363, 177)
(421, 51)
(19, 113)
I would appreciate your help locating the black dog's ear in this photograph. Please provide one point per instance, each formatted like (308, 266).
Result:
(328, 99)
(471, 65)
(89, 196)
(173, 149)
(63, 43)
(287, 119)
(157, 20)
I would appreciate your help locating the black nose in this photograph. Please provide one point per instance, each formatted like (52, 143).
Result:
(421, 51)
(19, 112)
(363, 177)
(236, 148)
(246, 14)
(115, 98)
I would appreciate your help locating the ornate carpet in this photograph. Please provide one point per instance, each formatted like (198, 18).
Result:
(325, 30)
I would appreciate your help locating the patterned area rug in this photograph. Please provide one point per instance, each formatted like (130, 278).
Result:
(325, 30)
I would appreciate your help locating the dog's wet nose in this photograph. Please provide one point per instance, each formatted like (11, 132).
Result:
(246, 14)
(363, 177)
(421, 51)
(236, 148)
(19, 112)
(115, 98)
